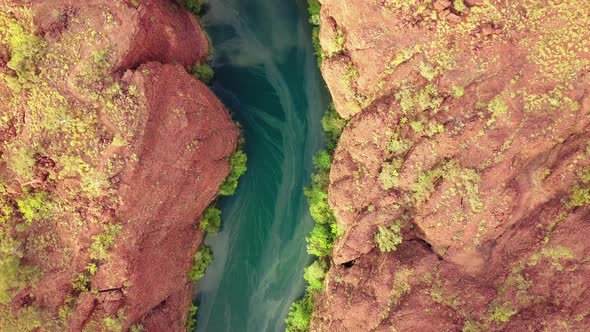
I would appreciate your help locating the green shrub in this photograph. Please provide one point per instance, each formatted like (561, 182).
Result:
(197, 7)
(238, 167)
(211, 220)
(191, 320)
(102, 242)
(35, 206)
(333, 126)
(317, 46)
(390, 173)
(201, 261)
(81, 283)
(114, 324)
(388, 238)
(314, 275)
(579, 197)
(300, 315)
(26, 49)
(13, 275)
(502, 313)
(202, 72)
(314, 7)
(321, 240)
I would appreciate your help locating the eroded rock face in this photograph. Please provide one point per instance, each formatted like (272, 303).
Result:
(469, 128)
(110, 153)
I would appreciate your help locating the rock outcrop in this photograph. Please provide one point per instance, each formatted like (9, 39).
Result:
(110, 152)
(469, 130)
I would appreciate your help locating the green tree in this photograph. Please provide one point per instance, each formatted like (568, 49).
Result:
(211, 221)
(237, 163)
(300, 315)
(201, 261)
(314, 275)
(202, 72)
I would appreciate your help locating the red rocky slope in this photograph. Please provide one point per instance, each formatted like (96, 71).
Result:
(469, 129)
(110, 153)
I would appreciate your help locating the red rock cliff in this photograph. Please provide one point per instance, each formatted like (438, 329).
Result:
(469, 130)
(110, 153)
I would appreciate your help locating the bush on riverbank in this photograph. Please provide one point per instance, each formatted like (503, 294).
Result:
(202, 259)
(211, 220)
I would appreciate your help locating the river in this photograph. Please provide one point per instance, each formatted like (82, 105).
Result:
(267, 75)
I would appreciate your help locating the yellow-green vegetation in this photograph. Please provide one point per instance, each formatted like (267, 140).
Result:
(400, 287)
(326, 230)
(197, 7)
(501, 313)
(402, 57)
(415, 101)
(465, 181)
(203, 257)
(321, 239)
(580, 194)
(81, 283)
(498, 107)
(300, 315)
(333, 126)
(314, 7)
(60, 131)
(390, 173)
(35, 206)
(211, 220)
(202, 72)
(550, 101)
(314, 275)
(389, 237)
(556, 255)
(114, 324)
(238, 167)
(24, 320)
(472, 326)
(191, 321)
(102, 242)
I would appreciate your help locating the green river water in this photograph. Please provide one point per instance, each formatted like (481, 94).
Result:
(267, 75)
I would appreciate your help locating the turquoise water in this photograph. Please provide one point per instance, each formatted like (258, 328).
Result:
(267, 75)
